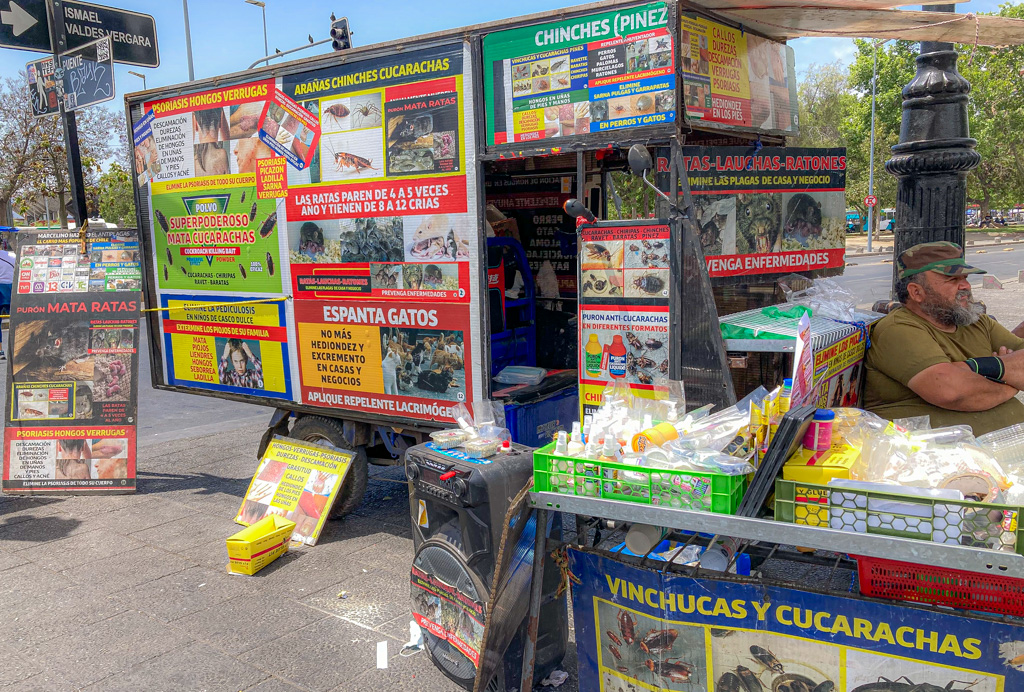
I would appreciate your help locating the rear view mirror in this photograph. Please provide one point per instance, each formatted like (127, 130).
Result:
(575, 208)
(639, 159)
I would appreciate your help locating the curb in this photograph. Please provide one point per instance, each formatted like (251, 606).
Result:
(848, 256)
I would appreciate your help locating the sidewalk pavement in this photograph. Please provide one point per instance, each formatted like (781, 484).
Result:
(131, 592)
(856, 245)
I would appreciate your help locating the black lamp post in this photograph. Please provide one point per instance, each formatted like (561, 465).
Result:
(935, 151)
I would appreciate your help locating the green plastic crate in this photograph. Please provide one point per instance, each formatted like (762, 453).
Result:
(709, 492)
(953, 522)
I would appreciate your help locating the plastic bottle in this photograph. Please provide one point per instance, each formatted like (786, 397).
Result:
(818, 437)
(654, 436)
(610, 451)
(593, 355)
(614, 358)
(576, 445)
(562, 444)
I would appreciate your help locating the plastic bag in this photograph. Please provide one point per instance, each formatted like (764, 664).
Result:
(1007, 446)
(678, 457)
(825, 298)
(939, 458)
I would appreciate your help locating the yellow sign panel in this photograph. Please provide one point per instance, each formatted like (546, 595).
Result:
(341, 357)
(297, 481)
(225, 344)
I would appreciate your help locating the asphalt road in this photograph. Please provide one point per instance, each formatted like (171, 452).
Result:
(870, 278)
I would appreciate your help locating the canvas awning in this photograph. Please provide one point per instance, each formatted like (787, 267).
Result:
(787, 19)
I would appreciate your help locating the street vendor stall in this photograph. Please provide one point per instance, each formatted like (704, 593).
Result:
(381, 246)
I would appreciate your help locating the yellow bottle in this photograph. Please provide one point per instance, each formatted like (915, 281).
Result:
(592, 356)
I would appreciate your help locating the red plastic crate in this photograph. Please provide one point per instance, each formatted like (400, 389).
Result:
(903, 581)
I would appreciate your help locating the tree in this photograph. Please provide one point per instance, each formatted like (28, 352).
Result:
(117, 197)
(996, 112)
(98, 128)
(17, 140)
(825, 102)
(896, 67)
(635, 196)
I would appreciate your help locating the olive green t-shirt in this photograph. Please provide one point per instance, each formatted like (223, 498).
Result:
(903, 344)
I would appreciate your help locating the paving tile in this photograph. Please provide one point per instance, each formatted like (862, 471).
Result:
(180, 594)
(15, 508)
(188, 532)
(20, 534)
(128, 569)
(17, 668)
(45, 681)
(275, 685)
(245, 622)
(413, 673)
(398, 628)
(394, 553)
(10, 560)
(320, 656)
(91, 653)
(305, 571)
(29, 582)
(373, 599)
(31, 619)
(80, 549)
(154, 512)
(193, 667)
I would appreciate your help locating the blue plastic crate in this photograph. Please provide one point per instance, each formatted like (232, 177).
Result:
(535, 423)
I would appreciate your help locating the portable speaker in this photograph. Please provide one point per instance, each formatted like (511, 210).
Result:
(458, 508)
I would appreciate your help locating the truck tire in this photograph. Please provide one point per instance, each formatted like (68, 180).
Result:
(320, 429)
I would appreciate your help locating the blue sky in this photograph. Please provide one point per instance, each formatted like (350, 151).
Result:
(227, 35)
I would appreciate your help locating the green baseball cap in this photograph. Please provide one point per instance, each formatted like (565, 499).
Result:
(940, 256)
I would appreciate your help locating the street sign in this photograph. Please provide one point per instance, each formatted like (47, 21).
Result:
(85, 77)
(23, 26)
(870, 201)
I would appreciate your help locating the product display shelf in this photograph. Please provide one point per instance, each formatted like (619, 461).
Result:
(980, 560)
(824, 331)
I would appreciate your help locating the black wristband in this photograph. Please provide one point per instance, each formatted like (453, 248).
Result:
(989, 367)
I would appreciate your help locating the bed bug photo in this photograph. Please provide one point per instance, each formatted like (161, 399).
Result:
(336, 113)
(651, 284)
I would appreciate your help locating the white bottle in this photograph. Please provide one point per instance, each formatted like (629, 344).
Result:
(576, 446)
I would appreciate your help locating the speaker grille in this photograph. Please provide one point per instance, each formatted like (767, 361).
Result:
(449, 607)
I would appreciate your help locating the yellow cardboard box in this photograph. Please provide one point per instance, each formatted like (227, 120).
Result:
(252, 549)
(808, 466)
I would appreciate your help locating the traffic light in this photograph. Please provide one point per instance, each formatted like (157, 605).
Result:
(341, 35)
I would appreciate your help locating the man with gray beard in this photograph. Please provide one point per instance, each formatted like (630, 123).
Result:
(940, 355)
